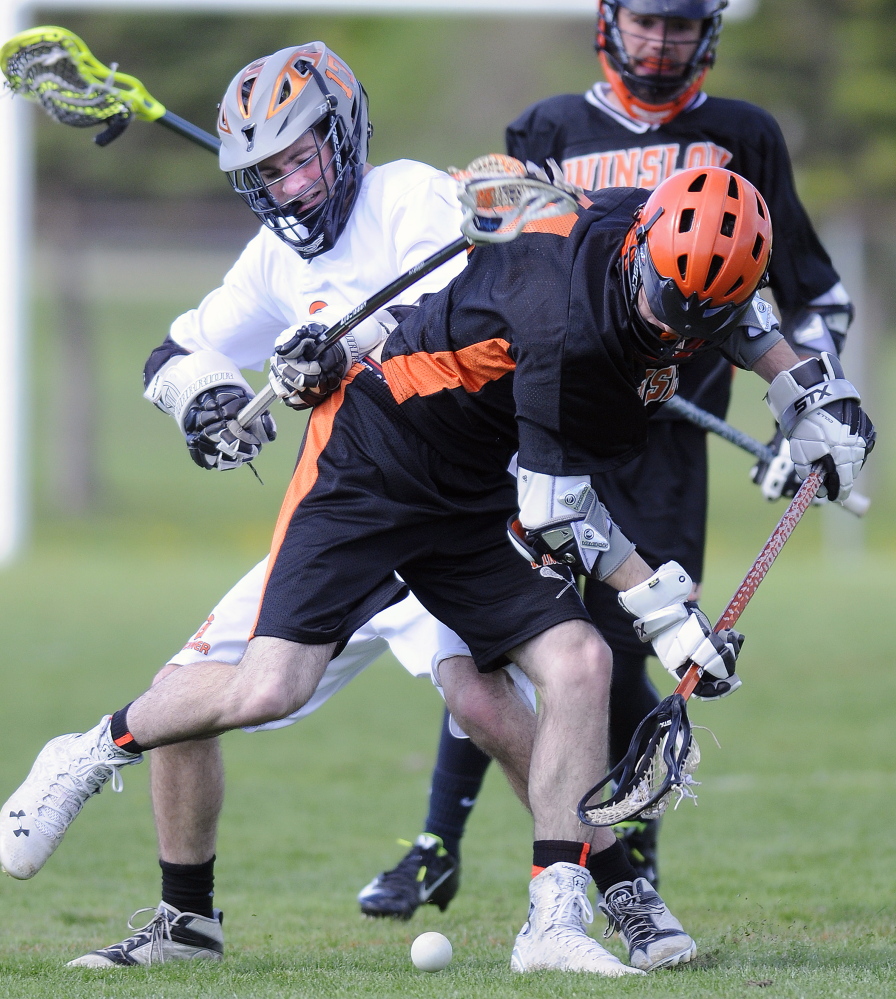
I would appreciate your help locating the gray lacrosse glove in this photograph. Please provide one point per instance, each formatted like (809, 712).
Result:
(680, 632)
(214, 439)
(562, 519)
(819, 414)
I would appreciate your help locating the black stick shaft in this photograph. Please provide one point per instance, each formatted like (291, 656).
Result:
(385, 295)
(190, 131)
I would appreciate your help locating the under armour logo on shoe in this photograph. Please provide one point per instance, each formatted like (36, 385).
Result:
(20, 831)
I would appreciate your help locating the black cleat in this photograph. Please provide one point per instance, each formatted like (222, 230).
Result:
(427, 874)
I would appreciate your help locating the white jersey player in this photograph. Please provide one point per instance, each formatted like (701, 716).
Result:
(294, 133)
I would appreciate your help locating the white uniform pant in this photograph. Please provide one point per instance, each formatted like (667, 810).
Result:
(417, 640)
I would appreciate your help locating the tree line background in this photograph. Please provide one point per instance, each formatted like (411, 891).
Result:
(442, 89)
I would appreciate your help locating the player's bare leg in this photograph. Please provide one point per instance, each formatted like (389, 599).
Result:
(274, 678)
(489, 709)
(570, 665)
(187, 788)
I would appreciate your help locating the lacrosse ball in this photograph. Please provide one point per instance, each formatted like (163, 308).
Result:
(431, 952)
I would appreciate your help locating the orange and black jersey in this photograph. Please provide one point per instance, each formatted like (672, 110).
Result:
(528, 350)
(597, 147)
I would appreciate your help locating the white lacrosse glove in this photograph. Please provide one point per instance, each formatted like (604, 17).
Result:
(681, 633)
(303, 379)
(818, 411)
(777, 478)
(203, 392)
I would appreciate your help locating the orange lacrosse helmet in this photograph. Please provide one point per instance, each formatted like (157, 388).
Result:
(699, 249)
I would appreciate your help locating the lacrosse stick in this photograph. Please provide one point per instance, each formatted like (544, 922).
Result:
(55, 68)
(856, 503)
(500, 197)
(663, 754)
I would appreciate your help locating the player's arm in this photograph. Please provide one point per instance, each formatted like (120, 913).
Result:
(194, 376)
(562, 518)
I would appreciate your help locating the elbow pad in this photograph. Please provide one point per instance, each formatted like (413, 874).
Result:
(561, 516)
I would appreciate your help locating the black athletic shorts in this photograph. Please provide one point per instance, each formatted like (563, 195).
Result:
(369, 499)
(659, 501)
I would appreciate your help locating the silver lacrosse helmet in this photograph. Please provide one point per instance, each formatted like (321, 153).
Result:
(304, 97)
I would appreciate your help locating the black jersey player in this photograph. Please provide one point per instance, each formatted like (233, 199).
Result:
(547, 346)
(648, 120)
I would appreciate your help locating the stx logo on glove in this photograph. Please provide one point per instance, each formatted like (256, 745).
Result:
(814, 395)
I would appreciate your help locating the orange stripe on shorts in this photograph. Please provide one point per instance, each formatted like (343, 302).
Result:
(317, 436)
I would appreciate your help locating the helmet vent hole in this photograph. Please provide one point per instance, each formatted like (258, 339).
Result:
(733, 191)
(728, 222)
(246, 94)
(760, 208)
(285, 92)
(734, 287)
(686, 221)
(715, 265)
(757, 247)
(697, 183)
(683, 265)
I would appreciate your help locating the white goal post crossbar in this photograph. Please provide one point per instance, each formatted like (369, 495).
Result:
(16, 181)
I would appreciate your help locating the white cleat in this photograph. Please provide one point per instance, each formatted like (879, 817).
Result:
(554, 937)
(170, 935)
(654, 937)
(68, 770)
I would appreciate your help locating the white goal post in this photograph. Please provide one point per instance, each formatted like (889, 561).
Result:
(16, 196)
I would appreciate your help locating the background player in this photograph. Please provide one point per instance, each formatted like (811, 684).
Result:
(648, 120)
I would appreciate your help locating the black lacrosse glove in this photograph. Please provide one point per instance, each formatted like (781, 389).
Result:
(214, 439)
(301, 378)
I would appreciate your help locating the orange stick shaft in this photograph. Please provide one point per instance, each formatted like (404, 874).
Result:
(770, 551)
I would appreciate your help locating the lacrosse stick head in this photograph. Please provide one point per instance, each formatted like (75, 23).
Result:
(500, 196)
(53, 67)
(660, 762)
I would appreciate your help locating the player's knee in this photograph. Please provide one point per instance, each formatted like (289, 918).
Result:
(582, 667)
(265, 702)
(166, 670)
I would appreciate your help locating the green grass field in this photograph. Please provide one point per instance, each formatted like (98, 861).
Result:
(784, 872)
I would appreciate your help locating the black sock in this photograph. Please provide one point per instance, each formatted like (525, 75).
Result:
(189, 887)
(456, 780)
(118, 730)
(558, 851)
(609, 867)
